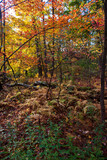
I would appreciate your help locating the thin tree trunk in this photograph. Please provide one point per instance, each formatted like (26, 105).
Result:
(4, 49)
(104, 55)
(45, 53)
(37, 41)
(60, 66)
(0, 39)
(1, 30)
(44, 40)
(39, 57)
(53, 40)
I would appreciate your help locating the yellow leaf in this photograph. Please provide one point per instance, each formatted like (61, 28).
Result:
(36, 75)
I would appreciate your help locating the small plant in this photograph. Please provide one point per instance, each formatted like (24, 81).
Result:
(90, 110)
(94, 148)
(47, 142)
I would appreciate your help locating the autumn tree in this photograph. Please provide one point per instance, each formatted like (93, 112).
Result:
(69, 27)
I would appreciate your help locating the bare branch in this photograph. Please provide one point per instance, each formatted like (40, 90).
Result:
(13, 6)
(22, 46)
(16, 5)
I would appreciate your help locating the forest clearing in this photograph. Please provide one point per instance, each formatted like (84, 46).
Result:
(53, 80)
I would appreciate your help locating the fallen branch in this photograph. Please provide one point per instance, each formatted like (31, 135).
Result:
(21, 84)
(44, 84)
(32, 86)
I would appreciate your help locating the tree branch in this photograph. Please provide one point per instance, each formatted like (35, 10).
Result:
(13, 6)
(22, 46)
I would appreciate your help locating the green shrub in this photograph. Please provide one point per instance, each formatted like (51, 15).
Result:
(47, 142)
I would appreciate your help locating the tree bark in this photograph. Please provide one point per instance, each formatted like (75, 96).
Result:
(45, 52)
(0, 30)
(39, 57)
(53, 39)
(4, 47)
(104, 55)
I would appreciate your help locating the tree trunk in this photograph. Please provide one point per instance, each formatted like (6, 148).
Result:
(4, 49)
(0, 30)
(53, 39)
(103, 65)
(45, 52)
(39, 57)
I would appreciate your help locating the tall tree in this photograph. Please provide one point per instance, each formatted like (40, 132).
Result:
(0, 30)
(53, 39)
(4, 47)
(44, 39)
(104, 57)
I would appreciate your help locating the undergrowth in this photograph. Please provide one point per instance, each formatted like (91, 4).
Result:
(47, 142)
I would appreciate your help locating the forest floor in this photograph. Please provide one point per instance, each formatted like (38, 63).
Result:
(77, 106)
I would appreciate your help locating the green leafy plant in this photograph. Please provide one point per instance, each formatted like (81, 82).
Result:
(47, 142)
